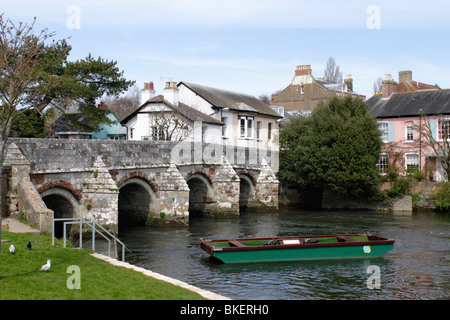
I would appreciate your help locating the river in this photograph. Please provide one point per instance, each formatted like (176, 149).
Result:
(417, 268)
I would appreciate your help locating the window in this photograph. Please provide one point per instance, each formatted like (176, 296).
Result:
(158, 133)
(246, 127)
(412, 162)
(204, 132)
(249, 127)
(383, 164)
(383, 126)
(269, 131)
(258, 130)
(409, 133)
(224, 127)
(444, 129)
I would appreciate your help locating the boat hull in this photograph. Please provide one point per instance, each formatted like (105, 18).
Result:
(297, 251)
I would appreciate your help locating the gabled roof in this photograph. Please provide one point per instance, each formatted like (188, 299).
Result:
(408, 104)
(190, 113)
(228, 99)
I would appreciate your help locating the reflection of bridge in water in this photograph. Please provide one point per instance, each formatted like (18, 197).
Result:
(135, 182)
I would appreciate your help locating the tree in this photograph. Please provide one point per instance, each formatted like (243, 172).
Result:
(125, 104)
(337, 147)
(265, 99)
(35, 74)
(435, 134)
(332, 72)
(167, 124)
(29, 124)
(377, 85)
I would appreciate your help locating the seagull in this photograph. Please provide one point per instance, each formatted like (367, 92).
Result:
(45, 267)
(12, 249)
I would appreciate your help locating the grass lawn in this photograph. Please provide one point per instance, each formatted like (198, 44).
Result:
(99, 280)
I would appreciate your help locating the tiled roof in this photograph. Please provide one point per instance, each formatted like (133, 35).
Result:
(228, 99)
(409, 85)
(72, 122)
(408, 104)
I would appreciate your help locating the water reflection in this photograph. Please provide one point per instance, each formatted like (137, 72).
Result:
(417, 268)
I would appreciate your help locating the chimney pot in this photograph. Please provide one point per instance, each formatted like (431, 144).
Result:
(148, 92)
(171, 93)
(405, 75)
(148, 85)
(388, 86)
(103, 106)
(349, 83)
(303, 70)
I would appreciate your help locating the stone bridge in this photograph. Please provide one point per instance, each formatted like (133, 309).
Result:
(134, 182)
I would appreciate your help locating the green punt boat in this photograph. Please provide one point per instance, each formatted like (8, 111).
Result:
(297, 248)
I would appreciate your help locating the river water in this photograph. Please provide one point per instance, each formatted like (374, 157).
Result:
(417, 268)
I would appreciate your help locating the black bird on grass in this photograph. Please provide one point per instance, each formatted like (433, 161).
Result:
(29, 244)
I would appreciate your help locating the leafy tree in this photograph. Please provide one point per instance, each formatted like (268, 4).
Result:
(29, 124)
(337, 147)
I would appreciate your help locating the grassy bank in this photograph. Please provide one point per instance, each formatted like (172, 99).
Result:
(99, 280)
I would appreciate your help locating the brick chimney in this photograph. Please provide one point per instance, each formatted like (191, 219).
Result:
(303, 75)
(303, 70)
(388, 86)
(102, 106)
(349, 83)
(171, 93)
(148, 92)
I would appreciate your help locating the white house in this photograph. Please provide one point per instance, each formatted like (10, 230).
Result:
(247, 121)
(164, 117)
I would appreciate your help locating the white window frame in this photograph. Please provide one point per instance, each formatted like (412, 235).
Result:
(224, 127)
(258, 130)
(246, 127)
(383, 164)
(384, 131)
(409, 133)
(269, 131)
(410, 163)
(441, 130)
(204, 132)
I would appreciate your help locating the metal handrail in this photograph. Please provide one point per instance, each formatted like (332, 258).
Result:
(93, 225)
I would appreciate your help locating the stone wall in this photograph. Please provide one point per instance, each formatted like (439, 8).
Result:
(333, 201)
(33, 208)
(74, 155)
(424, 192)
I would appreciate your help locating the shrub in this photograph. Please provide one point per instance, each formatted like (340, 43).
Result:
(442, 196)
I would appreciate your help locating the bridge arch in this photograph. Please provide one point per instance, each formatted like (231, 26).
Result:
(64, 205)
(201, 192)
(246, 190)
(137, 200)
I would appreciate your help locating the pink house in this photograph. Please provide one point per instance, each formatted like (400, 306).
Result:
(407, 113)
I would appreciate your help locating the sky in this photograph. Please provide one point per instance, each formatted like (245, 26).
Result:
(251, 46)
